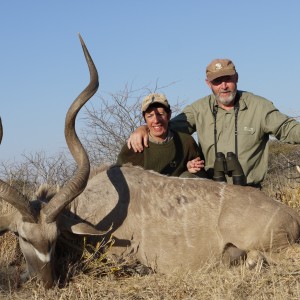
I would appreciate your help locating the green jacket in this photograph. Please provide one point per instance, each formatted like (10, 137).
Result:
(169, 158)
(257, 118)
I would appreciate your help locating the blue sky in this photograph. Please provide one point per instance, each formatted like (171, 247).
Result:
(137, 42)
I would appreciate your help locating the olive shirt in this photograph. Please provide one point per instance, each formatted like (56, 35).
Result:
(169, 158)
(257, 118)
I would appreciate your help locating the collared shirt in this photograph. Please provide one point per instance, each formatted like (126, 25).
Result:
(257, 119)
(167, 139)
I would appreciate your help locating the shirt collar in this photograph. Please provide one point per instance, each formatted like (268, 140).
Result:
(167, 139)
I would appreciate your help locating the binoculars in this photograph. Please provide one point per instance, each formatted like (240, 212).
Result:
(230, 166)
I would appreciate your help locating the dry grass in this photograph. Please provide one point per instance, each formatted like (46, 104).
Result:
(274, 282)
(94, 277)
(285, 190)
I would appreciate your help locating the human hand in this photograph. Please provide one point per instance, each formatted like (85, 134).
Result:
(195, 165)
(138, 139)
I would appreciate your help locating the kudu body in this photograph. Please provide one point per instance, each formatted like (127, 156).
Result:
(167, 222)
(174, 223)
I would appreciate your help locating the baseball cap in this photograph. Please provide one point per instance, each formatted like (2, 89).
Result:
(220, 67)
(154, 98)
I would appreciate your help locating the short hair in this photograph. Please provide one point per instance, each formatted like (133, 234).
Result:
(154, 105)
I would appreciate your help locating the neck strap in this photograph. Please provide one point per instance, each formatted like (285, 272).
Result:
(236, 111)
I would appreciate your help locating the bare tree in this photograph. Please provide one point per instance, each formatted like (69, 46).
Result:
(37, 169)
(106, 129)
(108, 126)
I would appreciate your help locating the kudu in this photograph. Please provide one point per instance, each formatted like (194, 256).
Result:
(38, 224)
(168, 223)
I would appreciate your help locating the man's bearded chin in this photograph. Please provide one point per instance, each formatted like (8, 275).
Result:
(226, 100)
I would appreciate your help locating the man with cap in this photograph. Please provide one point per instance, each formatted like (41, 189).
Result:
(168, 152)
(231, 121)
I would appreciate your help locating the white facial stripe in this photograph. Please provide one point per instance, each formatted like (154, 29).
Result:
(45, 258)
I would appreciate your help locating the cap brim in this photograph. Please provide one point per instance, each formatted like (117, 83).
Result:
(221, 73)
(144, 108)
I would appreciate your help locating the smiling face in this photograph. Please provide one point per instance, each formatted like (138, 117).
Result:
(224, 88)
(157, 120)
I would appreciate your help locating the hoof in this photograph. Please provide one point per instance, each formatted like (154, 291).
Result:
(255, 258)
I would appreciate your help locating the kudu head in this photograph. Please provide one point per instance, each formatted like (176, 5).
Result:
(38, 224)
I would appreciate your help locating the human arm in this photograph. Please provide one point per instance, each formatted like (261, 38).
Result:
(284, 128)
(138, 139)
(185, 121)
(192, 153)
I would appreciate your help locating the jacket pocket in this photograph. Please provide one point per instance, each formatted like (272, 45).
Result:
(246, 130)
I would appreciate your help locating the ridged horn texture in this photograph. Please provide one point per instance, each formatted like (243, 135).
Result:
(78, 182)
(13, 197)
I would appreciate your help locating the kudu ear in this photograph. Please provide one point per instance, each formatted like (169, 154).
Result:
(77, 227)
(9, 222)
